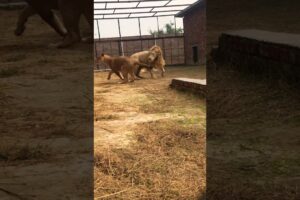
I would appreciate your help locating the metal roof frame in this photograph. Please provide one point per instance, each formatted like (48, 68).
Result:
(138, 9)
(130, 9)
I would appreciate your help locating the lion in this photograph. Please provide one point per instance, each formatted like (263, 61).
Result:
(121, 66)
(153, 57)
(146, 57)
(159, 62)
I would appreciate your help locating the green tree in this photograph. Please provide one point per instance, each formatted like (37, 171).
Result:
(169, 29)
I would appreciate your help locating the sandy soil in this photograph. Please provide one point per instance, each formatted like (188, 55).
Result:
(149, 139)
(46, 137)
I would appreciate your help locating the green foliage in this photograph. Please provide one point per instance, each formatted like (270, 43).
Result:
(169, 29)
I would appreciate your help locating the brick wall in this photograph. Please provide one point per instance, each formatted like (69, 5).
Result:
(195, 34)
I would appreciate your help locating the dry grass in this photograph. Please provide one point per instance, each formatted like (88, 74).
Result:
(253, 124)
(164, 164)
(165, 157)
(252, 139)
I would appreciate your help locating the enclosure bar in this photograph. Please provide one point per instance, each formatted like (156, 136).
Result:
(140, 30)
(165, 48)
(107, 40)
(133, 7)
(175, 26)
(168, 2)
(133, 1)
(121, 50)
(171, 51)
(108, 18)
(96, 52)
(157, 26)
(95, 44)
(98, 27)
(139, 12)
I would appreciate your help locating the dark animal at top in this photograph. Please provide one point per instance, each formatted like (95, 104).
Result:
(71, 11)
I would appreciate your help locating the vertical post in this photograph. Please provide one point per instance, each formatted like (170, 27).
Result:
(157, 26)
(175, 26)
(111, 48)
(95, 43)
(99, 35)
(121, 51)
(164, 47)
(96, 54)
(172, 51)
(139, 19)
(98, 27)
(157, 21)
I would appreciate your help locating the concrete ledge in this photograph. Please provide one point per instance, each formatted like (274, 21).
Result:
(12, 4)
(196, 86)
(262, 52)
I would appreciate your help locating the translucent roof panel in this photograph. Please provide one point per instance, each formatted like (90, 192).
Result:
(137, 17)
(121, 9)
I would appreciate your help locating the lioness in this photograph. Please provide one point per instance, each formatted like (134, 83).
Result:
(121, 66)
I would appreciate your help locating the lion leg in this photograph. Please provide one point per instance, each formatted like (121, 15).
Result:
(27, 12)
(151, 73)
(138, 72)
(49, 16)
(71, 17)
(125, 78)
(132, 75)
(109, 75)
(120, 75)
(163, 71)
(125, 74)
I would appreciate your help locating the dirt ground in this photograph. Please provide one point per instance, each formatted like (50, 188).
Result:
(46, 138)
(253, 124)
(149, 139)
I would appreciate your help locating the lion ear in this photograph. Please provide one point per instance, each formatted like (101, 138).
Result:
(102, 54)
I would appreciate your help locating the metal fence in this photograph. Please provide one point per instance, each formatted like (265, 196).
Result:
(172, 46)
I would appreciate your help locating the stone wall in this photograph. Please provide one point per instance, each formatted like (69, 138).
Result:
(195, 86)
(273, 55)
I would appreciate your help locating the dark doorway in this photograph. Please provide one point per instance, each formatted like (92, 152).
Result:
(195, 55)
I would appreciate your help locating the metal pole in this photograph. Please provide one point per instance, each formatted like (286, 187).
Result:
(157, 26)
(99, 35)
(121, 51)
(140, 33)
(98, 27)
(175, 26)
(95, 43)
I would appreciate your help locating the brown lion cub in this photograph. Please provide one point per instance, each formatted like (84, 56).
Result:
(120, 65)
